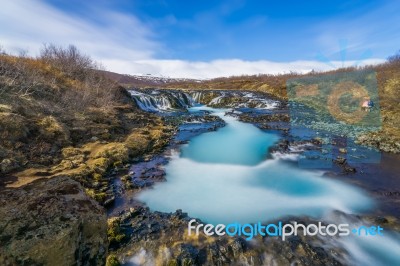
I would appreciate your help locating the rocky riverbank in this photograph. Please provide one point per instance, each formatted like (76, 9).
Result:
(75, 148)
(64, 128)
(154, 238)
(113, 170)
(161, 238)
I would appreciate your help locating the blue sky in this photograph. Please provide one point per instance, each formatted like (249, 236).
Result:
(208, 38)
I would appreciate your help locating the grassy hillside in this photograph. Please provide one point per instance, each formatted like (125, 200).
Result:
(388, 77)
(272, 84)
(60, 116)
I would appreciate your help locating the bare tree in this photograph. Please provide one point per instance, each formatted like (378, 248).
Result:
(2, 51)
(69, 60)
(394, 58)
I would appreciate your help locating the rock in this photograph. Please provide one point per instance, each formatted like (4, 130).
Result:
(112, 261)
(13, 126)
(8, 165)
(340, 160)
(284, 145)
(109, 202)
(179, 214)
(187, 255)
(264, 118)
(349, 169)
(217, 254)
(381, 220)
(51, 222)
(238, 246)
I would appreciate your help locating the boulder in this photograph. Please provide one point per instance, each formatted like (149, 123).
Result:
(8, 165)
(51, 222)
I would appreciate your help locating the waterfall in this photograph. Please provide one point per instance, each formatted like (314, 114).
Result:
(197, 96)
(259, 102)
(144, 101)
(162, 101)
(217, 100)
(172, 100)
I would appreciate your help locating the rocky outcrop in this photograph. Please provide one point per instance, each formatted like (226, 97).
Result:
(381, 140)
(155, 238)
(51, 222)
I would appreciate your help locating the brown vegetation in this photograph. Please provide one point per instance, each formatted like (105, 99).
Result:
(388, 78)
(60, 116)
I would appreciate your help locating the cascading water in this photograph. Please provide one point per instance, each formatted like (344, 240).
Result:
(170, 100)
(162, 101)
(197, 96)
(260, 102)
(231, 161)
(217, 100)
(223, 177)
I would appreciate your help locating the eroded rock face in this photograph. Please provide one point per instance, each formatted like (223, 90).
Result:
(51, 222)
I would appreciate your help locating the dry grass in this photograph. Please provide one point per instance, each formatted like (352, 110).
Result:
(60, 116)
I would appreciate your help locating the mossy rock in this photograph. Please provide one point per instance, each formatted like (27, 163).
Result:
(8, 165)
(70, 152)
(114, 151)
(99, 165)
(112, 261)
(97, 177)
(114, 232)
(100, 197)
(137, 143)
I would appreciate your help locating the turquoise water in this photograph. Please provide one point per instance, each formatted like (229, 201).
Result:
(224, 176)
(236, 143)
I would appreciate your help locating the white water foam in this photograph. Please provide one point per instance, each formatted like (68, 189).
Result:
(221, 178)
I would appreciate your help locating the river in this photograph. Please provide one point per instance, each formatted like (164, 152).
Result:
(227, 176)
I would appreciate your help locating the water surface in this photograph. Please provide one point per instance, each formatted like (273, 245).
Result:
(225, 176)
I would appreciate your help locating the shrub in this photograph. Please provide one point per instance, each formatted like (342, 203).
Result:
(394, 58)
(64, 76)
(69, 60)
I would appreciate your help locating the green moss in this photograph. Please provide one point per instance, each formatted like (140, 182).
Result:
(172, 262)
(100, 197)
(90, 192)
(117, 164)
(114, 151)
(99, 165)
(114, 232)
(187, 262)
(51, 128)
(137, 143)
(97, 177)
(112, 261)
(125, 178)
(70, 152)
